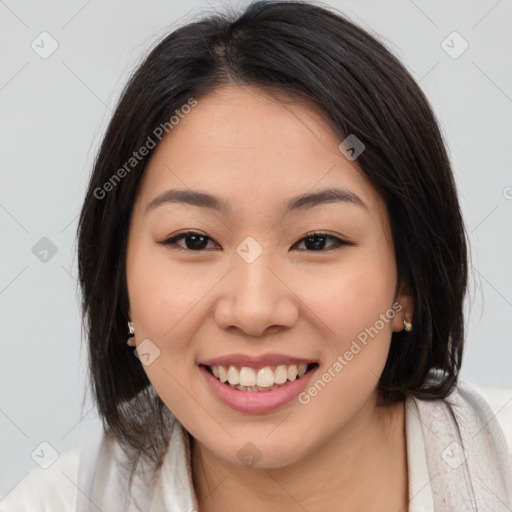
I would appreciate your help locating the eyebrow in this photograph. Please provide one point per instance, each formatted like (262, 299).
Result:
(300, 202)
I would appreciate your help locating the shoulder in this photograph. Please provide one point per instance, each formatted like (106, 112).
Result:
(482, 415)
(499, 401)
(468, 456)
(56, 487)
(42, 488)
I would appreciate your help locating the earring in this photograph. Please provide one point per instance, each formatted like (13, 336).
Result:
(407, 326)
(131, 340)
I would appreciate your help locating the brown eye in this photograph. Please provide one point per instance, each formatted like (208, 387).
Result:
(193, 241)
(317, 241)
(314, 242)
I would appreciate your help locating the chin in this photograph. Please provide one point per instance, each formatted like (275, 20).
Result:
(260, 453)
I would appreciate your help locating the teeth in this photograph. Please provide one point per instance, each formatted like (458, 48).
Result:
(292, 372)
(223, 375)
(233, 376)
(281, 374)
(301, 369)
(247, 377)
(253, 388)
(263, 379)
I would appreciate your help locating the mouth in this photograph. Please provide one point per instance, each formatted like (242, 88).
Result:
(257, 380)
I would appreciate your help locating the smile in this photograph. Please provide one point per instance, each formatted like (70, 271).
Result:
(250, 379)
(260, 388)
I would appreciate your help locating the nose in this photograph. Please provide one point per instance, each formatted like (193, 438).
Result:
(256, 298)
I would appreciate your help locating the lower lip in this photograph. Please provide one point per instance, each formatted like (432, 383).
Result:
(257, 401)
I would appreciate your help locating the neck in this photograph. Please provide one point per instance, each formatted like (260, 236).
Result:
(365, 459)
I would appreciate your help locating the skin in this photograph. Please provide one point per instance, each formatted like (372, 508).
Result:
(342, 449)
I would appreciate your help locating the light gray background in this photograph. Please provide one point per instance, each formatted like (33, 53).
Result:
(54, 112)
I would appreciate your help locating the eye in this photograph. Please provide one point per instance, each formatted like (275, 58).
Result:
(316, 241)
(197, 241)
(193, 241)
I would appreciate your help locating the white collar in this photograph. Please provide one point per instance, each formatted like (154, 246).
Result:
(175, 490)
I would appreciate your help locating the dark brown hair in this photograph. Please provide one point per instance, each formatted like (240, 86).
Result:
(311, 53)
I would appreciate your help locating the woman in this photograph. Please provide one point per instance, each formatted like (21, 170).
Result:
(272, 216)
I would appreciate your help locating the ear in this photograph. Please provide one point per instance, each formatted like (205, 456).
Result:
(404, 309)
(130, 315)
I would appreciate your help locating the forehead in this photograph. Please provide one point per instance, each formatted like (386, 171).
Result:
(240, 142)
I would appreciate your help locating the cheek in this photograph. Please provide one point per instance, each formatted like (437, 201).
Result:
(351, 296)
(163, 293)
(162, 299)
(354, 303)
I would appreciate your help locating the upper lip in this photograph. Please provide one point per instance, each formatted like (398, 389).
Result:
(255, 361)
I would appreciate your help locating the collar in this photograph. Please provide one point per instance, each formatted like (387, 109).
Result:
(175, 490)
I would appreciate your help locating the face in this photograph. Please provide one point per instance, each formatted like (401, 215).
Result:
(294, 300)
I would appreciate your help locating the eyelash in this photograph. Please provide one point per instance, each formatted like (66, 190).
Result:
(172, 241)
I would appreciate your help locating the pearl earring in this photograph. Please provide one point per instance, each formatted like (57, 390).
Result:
(131, 340)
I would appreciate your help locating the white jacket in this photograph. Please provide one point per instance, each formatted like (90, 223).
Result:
(458, 457)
